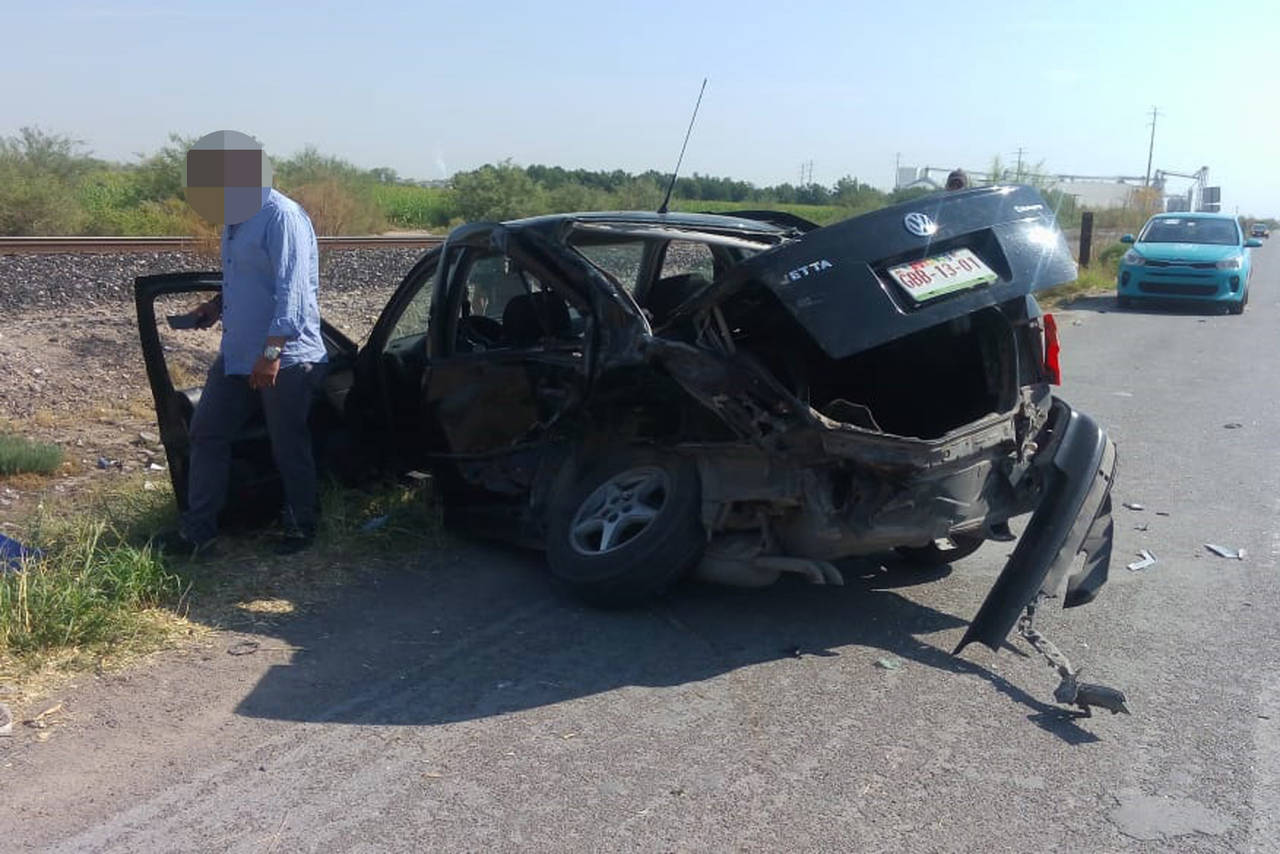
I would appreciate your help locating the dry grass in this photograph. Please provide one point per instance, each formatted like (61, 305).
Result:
(337, 208)
(102, 600)
(1097, 278)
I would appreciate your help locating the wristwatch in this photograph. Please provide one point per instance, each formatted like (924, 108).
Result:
(271, 353)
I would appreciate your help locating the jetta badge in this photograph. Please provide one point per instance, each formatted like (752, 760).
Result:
(920, 225)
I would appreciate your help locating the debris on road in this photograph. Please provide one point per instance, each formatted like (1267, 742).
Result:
(1143, 527)
(249, 647)
(1233, 425)
(1133, 505)
(1223, 551)
(1162, 512)
(38, 722)
(889, 663)
(1148, 559)
(6, 720)
(13, 553)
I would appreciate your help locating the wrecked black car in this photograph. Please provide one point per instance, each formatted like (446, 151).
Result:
(738, 396)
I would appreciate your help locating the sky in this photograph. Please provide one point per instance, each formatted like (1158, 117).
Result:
(429, 89)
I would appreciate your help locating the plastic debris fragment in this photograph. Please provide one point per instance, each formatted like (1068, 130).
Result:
(1133, 505)
(12, 553)
(1148, 559)
(1223, 551)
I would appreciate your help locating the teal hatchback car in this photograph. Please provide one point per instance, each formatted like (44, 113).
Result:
(1187, 256)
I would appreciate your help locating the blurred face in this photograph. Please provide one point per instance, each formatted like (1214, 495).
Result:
(227, 177)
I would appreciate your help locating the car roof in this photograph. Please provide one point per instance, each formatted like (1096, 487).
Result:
(677, 219)
(1194, 215)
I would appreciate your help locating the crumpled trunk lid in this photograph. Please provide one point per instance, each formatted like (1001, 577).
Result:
(835, 280)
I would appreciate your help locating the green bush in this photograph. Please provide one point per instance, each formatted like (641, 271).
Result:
(497, 193)
(1110, 255)
(19, 455)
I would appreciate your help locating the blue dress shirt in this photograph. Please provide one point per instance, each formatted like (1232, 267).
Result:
(270, 276)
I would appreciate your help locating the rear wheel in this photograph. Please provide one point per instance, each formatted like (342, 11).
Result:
(953, 548)
(627, 528)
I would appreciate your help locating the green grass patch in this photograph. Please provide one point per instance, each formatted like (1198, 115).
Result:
(99, 594)
(408, 206)
(20, 455)
(88, 590)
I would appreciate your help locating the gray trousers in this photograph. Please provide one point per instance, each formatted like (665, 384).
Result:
(226, 405)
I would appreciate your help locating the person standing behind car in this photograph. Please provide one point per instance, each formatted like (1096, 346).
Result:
(271, 356)
(957, 180)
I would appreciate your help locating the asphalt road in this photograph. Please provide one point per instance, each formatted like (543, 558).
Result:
(465, 705)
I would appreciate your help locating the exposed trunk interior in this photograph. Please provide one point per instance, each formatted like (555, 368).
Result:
(923, 385)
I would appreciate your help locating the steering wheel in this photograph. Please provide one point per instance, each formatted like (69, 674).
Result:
(480, 331)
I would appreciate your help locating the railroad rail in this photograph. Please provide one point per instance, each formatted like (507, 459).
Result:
(80, 244)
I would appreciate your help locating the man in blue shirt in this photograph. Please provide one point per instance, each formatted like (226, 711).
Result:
(271, 356)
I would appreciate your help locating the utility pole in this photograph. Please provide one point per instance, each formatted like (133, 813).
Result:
(897, 168)
(1151, 149)
(1021, 151)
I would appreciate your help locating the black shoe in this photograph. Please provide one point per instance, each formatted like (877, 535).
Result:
(176, 544)
(296, 540)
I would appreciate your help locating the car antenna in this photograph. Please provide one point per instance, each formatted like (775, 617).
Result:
(667, 198)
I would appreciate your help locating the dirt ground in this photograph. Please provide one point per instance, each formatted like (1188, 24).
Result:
(75, 377)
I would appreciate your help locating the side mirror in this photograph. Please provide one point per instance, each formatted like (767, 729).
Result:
(1252, 243)
(1128, 238)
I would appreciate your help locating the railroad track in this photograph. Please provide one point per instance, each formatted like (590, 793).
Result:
(58, 245)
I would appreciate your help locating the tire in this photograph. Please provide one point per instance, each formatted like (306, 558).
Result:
(627, 527)
(1238, 307)
(930, 556)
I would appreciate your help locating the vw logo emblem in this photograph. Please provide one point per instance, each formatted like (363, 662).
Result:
(920, 225)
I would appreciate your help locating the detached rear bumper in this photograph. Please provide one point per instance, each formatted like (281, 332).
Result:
(1073, 517)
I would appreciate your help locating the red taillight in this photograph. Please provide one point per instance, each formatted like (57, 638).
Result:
(1052, 351)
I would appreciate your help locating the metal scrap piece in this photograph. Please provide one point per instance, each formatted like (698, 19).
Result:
(1148, 559)
(1070, 691)
(1133, 505)
(1223, 551)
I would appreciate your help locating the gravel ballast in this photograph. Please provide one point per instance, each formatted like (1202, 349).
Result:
(38, 281)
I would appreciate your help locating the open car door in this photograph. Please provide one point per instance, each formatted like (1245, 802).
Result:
(176, 364)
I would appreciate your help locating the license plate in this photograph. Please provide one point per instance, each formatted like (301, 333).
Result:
(942, 274)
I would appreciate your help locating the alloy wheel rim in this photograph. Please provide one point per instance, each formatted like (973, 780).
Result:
(619, 510)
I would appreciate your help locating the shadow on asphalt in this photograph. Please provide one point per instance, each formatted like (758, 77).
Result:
(485, 632)
(1108, 305)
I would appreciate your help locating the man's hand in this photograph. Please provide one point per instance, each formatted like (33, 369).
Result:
(207, 313)
(264, 373)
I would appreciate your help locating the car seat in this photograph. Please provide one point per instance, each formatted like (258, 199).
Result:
(528, 318)
(668, 294)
